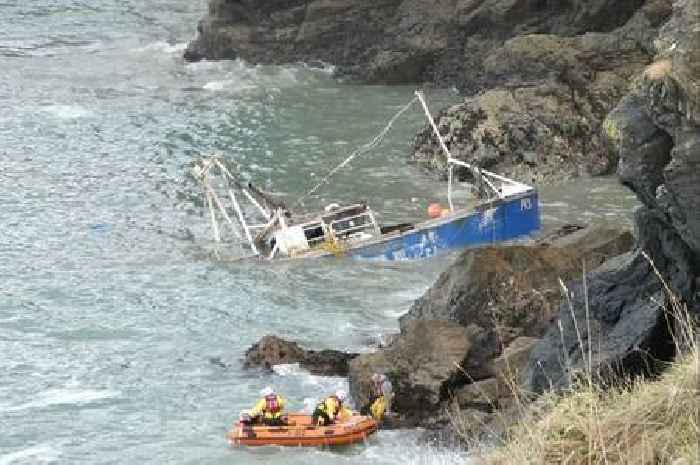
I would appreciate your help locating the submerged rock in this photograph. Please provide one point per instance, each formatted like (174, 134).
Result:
(272, 350)
(656, 131)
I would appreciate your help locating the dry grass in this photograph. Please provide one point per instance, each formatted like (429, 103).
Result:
(645, 422)
(649, 422)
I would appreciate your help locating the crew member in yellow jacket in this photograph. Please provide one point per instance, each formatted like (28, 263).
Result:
(270, 409)
(331, 409)
(379, 397)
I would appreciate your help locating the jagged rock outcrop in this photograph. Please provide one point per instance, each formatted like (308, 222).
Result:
(517, 286)
(656, 130)
(444, 41)
(541, 101)
(541, 76)
(272, 350)
(479, 322)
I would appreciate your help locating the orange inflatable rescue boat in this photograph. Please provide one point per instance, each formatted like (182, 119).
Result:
(300, 431)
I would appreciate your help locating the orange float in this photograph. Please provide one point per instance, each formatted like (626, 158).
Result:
(300, 431)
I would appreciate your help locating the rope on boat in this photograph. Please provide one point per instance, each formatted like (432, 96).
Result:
(358, 152)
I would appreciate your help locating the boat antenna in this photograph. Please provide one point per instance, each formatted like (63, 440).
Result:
(358, 152)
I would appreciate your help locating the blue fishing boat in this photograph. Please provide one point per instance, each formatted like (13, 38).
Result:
(506, 210)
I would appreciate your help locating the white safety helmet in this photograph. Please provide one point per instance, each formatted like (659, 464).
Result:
(341, 395)
(267, 391)
(378, 378)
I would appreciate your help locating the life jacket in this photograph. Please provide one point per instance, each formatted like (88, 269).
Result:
(272, 404)
(338, 406)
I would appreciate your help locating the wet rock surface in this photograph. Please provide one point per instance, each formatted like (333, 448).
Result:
(419, 363)
(540, 76)
(656, 131)
(517, 286)
(536, 102)
(470, 336)
(272, 350)
(392, 41)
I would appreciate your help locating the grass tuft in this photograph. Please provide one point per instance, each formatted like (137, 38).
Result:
(640, 422)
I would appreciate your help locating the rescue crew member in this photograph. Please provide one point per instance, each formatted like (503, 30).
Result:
(379, 396)
(269, 410)
(330, 409)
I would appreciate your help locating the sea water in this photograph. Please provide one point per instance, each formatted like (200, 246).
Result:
(121, 337)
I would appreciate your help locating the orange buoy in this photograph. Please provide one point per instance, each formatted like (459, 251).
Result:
(300, 431)
(434, 210)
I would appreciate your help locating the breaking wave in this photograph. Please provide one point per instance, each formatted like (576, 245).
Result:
(164, 47)
(63, 396)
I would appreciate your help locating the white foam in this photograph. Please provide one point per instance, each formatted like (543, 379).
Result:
(164, 47)
(229, 84)
(63, 396)
(42, 453)
(289, 369)
(67, 111)
(325, 68)
(399, 448)
(215, 85)
(205, 66)
(558, 204)
(318, 385)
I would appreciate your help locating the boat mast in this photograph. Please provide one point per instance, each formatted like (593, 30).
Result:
(487, 176)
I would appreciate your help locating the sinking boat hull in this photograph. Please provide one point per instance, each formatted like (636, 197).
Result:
(496, 221)
(301, 432)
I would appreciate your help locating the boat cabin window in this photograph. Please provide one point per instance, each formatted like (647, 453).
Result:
(355, 221)
(314, 233)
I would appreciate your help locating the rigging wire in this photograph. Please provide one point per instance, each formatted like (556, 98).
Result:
(358, 152)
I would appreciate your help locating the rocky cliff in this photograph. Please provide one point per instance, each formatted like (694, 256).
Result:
(474, 328)
(540, 75)
(380, 41)
(656, 132)
(541, 98)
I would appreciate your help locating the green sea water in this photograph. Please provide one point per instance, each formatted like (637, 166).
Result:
(120, 337)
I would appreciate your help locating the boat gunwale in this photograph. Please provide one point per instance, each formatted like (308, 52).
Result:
(340, 433)
(419, 227)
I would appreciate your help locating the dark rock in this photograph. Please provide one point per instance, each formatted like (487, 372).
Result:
(541, 101)
(546, 73)
(656, 131)
(393, 40)
(485, 392)
(421, 364)
(510, 294)
(516, 286)
(271, 350)
(508, 367)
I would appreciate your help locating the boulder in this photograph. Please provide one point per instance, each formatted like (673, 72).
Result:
(537, 102)
(516, 286)
(485, 392)
(624, 327)
(421, 363)
(272, 350)
(508, 367)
